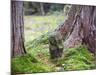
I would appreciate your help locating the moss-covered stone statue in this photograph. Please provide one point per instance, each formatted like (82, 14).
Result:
(55, 45)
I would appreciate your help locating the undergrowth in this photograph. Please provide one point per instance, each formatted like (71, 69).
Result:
(28, 64)
(37, 59)
(78, 59)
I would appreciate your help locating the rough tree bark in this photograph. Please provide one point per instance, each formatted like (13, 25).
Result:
(17, 28)
(78, 29)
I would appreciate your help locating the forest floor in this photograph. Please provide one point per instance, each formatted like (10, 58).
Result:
(37, 59)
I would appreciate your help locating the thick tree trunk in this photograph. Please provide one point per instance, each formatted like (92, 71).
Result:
(17, 28)
(80, 27)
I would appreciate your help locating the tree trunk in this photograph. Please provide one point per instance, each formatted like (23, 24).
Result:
(17, 28)
(42, 9)
(80, 27)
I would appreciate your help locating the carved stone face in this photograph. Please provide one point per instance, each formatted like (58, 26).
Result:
(55, 45)
(52, 40)
(56, 40)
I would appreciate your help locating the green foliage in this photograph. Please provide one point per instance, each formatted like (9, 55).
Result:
(56, 7)
(28, 64)
(78, 59)
(33, 8)
(43, 39)
(74, 59)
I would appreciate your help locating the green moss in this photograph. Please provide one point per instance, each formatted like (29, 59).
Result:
(42, 39)
(28, 64)
(74, 59)
(78, 59)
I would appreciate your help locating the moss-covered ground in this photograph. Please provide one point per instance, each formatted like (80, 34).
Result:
(37, 59)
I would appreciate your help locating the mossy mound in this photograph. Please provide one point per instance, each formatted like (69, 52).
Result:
(28, 64)
(78, 59)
